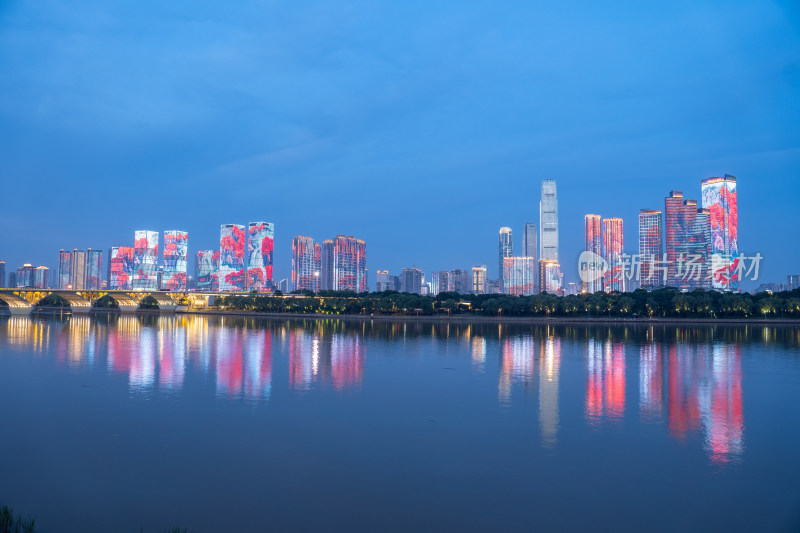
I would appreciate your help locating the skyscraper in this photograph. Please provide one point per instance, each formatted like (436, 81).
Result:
(612, 250)
(41, 275)
(550, 279)
(2, 274)
(506, 248)
(259, 256)
(349, 264)
(94, 269)
(411, 280)
(64, 269)
(326, 265)
(719, 197)
(120, 268)
(383, 281)
(305, 264)
(593, 238)
(462, 281)
(25, 276)
(176, 250)
(231, 258)
(651, 248)
(530, 247)
(548, 221)
(479, 275)
(145, 260)
(687, 243)
(207, 270)
(441, 281)
(519, 276)
(78, 270)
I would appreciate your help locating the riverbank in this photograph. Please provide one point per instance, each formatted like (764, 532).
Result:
(468, 319)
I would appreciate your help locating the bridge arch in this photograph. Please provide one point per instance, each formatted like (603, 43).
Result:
(120, 301)
(16, 304)
(158, 300)
(75, 303)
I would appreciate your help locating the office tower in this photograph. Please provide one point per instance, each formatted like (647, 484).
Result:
(64, 269)
(444, 281)
(462, 281)
(231, 258)
(651, 249)
(612, 252)
(25, 276)
(479, 277)
(78, 270)
(2, 274)
(176, 251)
(518, 276)
(283, 286)
(259, 256)
(593, 238)
(12, 280)
(145, 260)
(411, 280)
(383, 281)
(548, 222)
(326, 266)
(120, 268)
(305, 264)
(719, 197)
(207, 270)
(94, 269)
(506, 249)
(41, 276)
(550, 279)
(349, 264)
(687, 243)
(530, 247)
(792, 282)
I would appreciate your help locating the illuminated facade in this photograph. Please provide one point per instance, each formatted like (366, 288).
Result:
(550, 279)
(349, 264)
(120, 268)
(687, 243)
(305, 264)
(259, 256)
(519, 276)
(94, 269)
(548, 222)
(719, 197)
(207, 270)
(41, 275)
(441, 281)
(77, 275)
(612, 250)
(651, 248)
(479, 279)
(25, 276)
(145, 260)
(593, 238)
(506, 249)
(64, 269)
(176, 250)
(462, 281)
(231, 258)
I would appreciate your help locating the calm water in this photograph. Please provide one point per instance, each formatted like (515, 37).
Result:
(122, 423)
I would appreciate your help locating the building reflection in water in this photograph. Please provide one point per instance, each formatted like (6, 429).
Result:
(549, 368)
(651, 382)
(516, 364)
(605, 381)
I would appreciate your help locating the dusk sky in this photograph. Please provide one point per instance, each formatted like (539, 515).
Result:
(420, 127)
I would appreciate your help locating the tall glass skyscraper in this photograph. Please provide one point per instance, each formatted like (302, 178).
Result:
(145, 260)
(479, 275)
(94, 269)
(64, 269)
(259, 256)
(719, 197)
(120, 268)
(687, 242)
(612, 250)
(651, 249)
(41, 275)
(519, 276)
(207, 270)
(349, 264)
(176, 250)
(593, 236)
(530, 241)
(305, 264)
(326, 265)
(231, 258)
(506, 248)
(548, 221)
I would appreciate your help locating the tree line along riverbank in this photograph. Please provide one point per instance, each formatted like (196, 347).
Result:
(660, 303)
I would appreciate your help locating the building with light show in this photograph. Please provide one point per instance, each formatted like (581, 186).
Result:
(145, 260)
(550, 278)
(306, 255)
(612, 250)
(77, 275)
(519, 276)
(94, 269)
(120, 268)
(25, 276)
(548, 221)
(41, 277)
(687, 243)
(231, 258)
(64, 269)
(505, 248)
(207, 270)
(349, 264)
(261, 237)
(176, 249)
(593, 240)
(651, 249)
(719, 197)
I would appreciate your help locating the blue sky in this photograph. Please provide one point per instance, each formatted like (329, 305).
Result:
(421, 127)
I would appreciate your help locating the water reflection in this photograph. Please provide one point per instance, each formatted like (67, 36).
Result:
(687, 381)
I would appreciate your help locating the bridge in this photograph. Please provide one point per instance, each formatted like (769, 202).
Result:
(25, 301)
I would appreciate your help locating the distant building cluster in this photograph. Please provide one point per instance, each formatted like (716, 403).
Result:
(339, 264)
